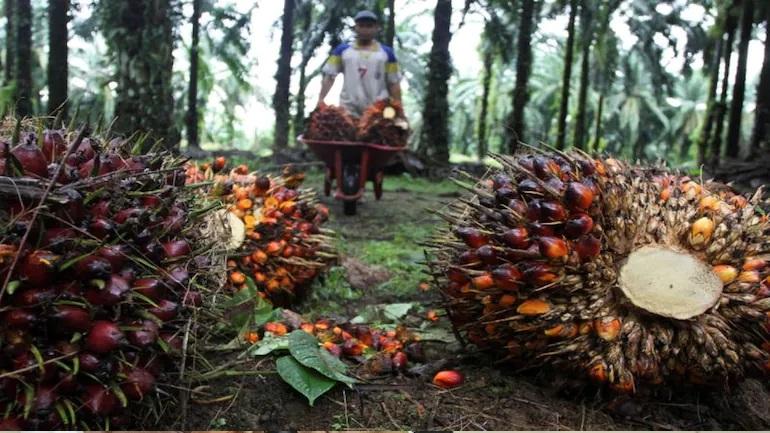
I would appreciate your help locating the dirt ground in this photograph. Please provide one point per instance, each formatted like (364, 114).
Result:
(492, 397)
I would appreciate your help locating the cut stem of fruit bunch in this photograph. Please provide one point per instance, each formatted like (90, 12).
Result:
(275, 227)
(99, 252)
(630, 275)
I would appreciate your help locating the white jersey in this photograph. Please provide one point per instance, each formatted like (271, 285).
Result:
(367, 71)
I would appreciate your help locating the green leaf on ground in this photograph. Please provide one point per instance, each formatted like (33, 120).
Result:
(269, 344)
(304, 347)
(306, 381)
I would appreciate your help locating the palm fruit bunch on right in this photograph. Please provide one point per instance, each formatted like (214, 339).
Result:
(331, 123)
(384, 122)
(98, 268)
(277, 239)
(626, 275)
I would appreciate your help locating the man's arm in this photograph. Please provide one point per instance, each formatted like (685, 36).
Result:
(326, 84)
(394, 90)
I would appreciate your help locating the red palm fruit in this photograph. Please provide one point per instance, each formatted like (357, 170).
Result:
(68, 383)
(30, 157)
(539, 229)
(165, 310)
(518, 206)
(578, 196)
(507, 277)
(104, 337)
(151, 201)
(177, 248)
(505, 195)
(516, 238)
(333, 348)
(58, 236)
(588, 247)
(468, 257)
(54, 145)
(472, 236)
(457, 275)
(144, 333)
(99, 400)
(19, 318)
(546, 167)
(138, 383)
(219, 164)
(487, 254)
(534, 210)
(111, 294)
(552, 211)
(353, 347)
(539, 274)
(93, 267)
(89, 362)
(39, 267)
(448, 379)
(32, 297)
(530, 188)
(132, 213)
(115, 254)
(100, 209)
(12, 423)
(101, 227)
(71, 318)
(400, 360)
(553, 247)
(578, 225)
(149, 287)
(173, 341)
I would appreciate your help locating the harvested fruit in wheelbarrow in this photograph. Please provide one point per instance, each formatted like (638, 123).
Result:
(331, 123)
(384, 123)
(630, 276)
(92, 276)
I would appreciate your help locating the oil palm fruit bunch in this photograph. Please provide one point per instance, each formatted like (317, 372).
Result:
(625, 274)
(384, 123)
(331, 123)
(98, 269)
(276, 227)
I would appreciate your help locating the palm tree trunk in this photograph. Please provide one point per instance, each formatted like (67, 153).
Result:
(306, 18)
(586, 19)
(10, 41)
(283, 79)
(483, 112)
(710, 107)
(390, 32)
(23, 58)
(761, 132)
(736, 107)
(434, 143)
(568, 53)
(58, 15)
(145, 98)
(191, 120)
(598, 127)
(520, 97)
(721, 107)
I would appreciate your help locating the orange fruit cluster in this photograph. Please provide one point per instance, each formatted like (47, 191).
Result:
(284, 249)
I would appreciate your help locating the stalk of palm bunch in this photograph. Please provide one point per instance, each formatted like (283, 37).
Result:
(384, 122)
(275, 227)
(627, 275)
(331, 123)
(98, 263)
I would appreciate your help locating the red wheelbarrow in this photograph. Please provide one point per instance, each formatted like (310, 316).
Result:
(351, 164)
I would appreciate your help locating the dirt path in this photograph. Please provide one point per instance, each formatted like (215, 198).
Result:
(379, 257)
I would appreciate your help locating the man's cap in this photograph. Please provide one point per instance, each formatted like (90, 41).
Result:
(366, 15)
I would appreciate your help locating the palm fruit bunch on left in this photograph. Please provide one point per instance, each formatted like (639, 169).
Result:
(99, 268)
(384, 122)
(280, 244)
(628, 276)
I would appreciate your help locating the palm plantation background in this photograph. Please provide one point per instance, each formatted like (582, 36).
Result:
(640, 79)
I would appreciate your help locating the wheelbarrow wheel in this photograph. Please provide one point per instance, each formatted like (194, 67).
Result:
(350, 186)
(349, 207)
(378, 186)
(328, 183)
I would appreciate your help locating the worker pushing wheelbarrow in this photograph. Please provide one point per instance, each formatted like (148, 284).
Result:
(357, 151)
